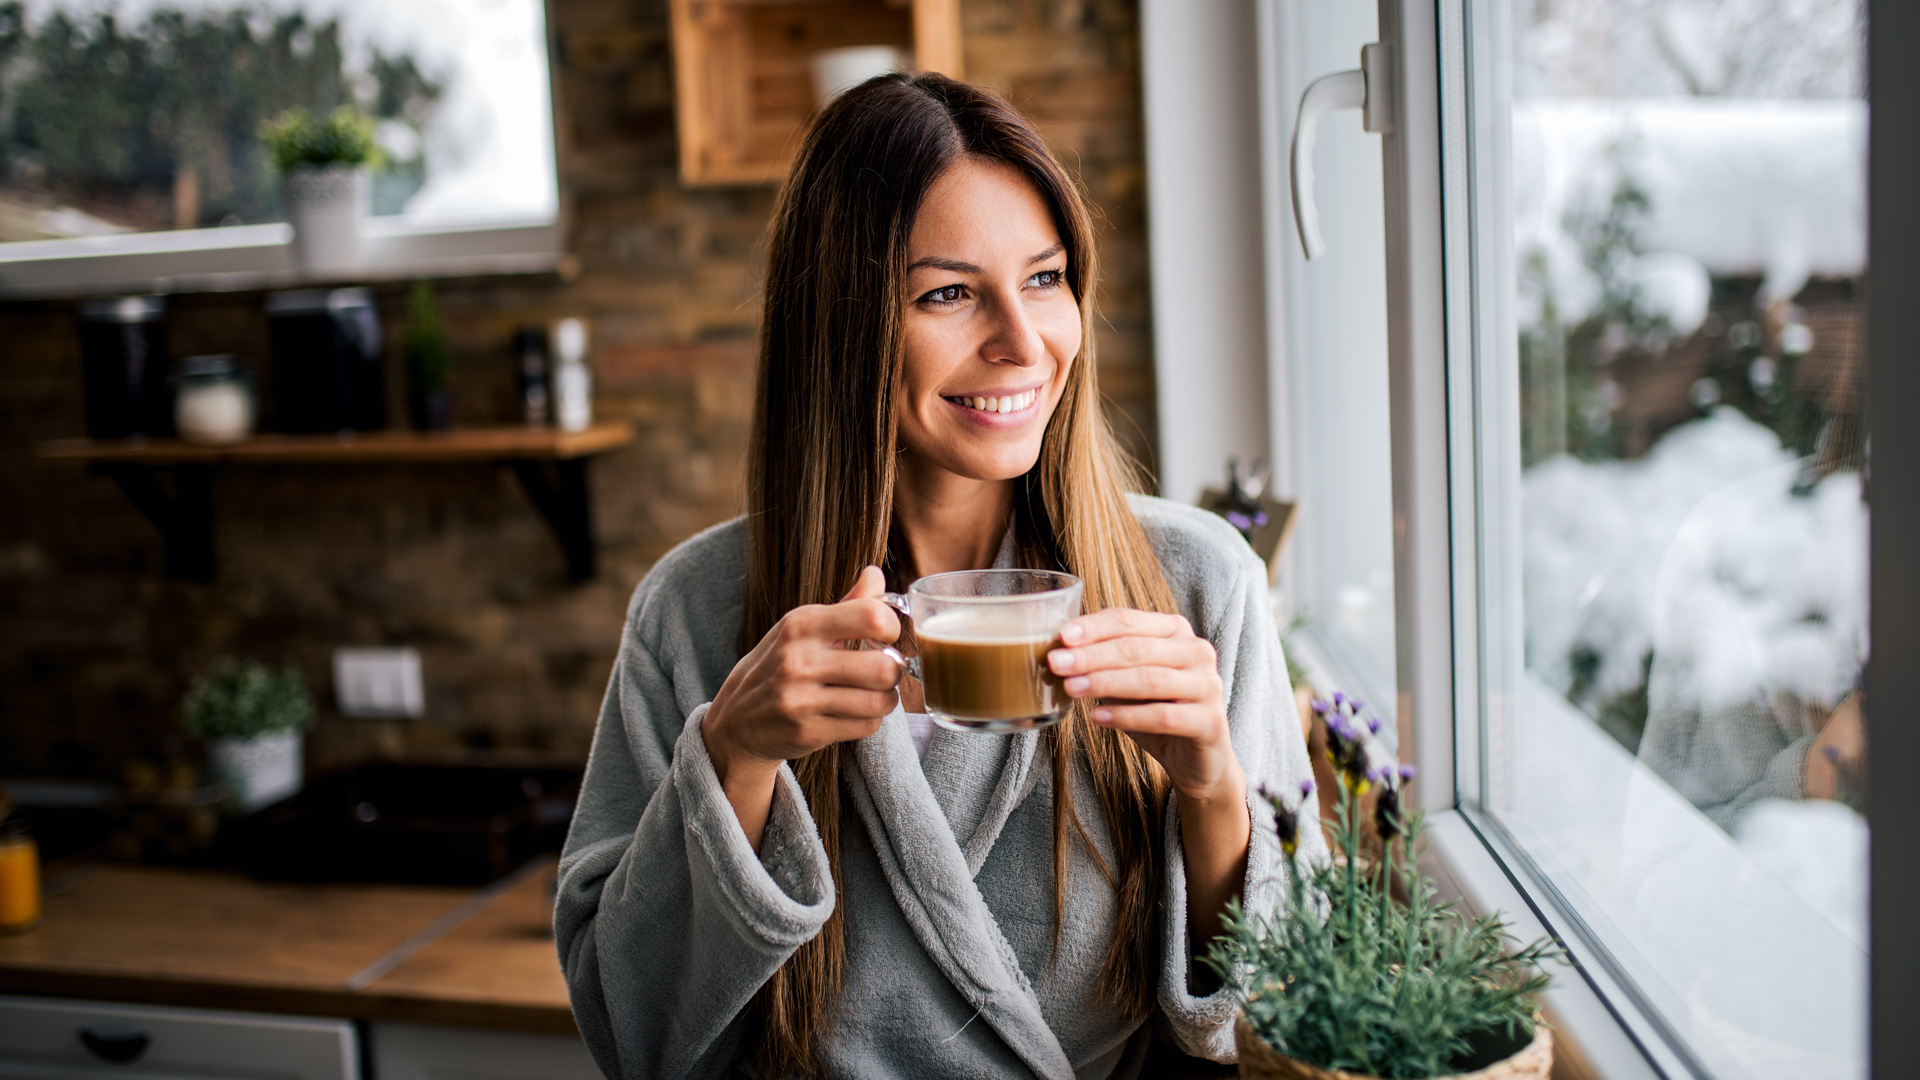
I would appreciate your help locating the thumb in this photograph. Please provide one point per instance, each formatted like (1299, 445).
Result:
(868, 586)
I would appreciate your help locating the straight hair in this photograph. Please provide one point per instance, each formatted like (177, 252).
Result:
(821, 478)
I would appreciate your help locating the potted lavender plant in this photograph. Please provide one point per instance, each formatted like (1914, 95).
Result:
(1364, 972)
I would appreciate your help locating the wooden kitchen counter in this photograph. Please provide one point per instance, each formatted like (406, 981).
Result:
(219, 940)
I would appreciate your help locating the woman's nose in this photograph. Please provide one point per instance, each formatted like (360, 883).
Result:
(1014, 338)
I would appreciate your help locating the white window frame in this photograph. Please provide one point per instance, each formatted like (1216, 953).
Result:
(1443, 513)
(246, 257)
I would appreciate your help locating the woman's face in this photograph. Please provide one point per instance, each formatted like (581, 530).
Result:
(991, 324)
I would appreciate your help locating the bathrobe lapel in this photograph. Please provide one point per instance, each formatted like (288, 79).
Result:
(931, 874)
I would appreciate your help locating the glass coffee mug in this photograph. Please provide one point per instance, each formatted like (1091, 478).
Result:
(984, 637)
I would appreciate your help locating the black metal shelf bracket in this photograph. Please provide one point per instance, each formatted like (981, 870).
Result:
(183, 515)
(560, 492)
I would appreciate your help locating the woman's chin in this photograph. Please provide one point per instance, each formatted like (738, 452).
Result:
(1008, 464)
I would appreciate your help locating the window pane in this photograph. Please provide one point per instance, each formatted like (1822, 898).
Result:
(1336, 385)
(145, 115)
(1683, 251)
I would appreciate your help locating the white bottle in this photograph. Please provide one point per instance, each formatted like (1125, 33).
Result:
(572, 381)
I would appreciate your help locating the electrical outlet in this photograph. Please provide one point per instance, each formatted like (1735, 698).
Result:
(378, 682)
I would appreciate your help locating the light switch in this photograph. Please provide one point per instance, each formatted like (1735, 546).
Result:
(378, 682)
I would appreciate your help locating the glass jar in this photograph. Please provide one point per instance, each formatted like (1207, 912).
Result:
(19, 877)
(213, 402)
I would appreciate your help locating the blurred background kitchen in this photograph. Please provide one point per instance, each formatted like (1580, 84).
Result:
(271, 496)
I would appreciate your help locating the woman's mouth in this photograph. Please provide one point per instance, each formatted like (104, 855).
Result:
(1012, 403)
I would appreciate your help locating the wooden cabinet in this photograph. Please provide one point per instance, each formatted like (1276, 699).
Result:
(742, 72)
(53, 1039)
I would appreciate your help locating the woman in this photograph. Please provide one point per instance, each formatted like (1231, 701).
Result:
(761, 878)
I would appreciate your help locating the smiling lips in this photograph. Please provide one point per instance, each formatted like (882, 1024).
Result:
(1009, 404)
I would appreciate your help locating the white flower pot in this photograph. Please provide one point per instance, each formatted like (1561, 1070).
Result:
(260, 770)
(325, 208)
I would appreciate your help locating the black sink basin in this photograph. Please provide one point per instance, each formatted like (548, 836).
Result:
(425, 824)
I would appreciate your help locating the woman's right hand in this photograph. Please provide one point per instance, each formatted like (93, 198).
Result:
(799, 690)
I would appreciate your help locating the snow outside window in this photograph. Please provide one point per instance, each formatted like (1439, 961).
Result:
(1669, 213)
(144, 115)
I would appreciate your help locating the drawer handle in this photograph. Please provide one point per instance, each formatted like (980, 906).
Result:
(119, 1049)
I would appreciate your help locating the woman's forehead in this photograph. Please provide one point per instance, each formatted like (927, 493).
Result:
(981, 213)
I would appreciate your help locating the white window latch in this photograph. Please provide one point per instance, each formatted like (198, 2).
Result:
(1369, 89)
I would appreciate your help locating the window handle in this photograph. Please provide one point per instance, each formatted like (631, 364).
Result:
(1367, 88)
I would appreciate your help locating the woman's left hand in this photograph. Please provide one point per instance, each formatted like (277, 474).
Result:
(1155, 679)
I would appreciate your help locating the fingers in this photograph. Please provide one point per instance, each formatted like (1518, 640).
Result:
(859, 619)
(1175, 719)
(1123, 622)
(1122, 652)
(869, 585)
(1150, 683)
(827, 664)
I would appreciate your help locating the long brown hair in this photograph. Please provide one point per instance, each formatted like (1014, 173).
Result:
(821, 476)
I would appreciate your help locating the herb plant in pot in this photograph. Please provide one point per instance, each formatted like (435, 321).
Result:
(429, 363)
(251, 718)
(1364, 973)
(326, 189)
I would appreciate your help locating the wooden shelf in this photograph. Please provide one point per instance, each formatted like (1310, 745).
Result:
(743, 81)
(367, 447)
(171, 482)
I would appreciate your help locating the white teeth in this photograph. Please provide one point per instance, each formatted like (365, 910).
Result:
(1009, 404)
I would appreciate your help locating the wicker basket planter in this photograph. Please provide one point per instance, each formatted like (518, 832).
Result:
(1259, 1061)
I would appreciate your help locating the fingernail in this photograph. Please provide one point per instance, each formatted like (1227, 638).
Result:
(1103, 716)
(1062, 661)
(1078, 684)
(1072, 633)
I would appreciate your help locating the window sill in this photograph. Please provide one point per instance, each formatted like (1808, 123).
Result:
(1593, 1040)
(241, 257)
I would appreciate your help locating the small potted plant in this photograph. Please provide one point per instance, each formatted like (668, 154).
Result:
(429, 363)
(324, 168)
(251, 718)
(1364, 972)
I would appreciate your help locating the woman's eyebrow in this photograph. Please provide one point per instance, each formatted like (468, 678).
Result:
(1047, 254)
(938, 263)
(958, 267)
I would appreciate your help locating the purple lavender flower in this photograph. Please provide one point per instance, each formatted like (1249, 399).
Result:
(1286, 822)
(1386, 813)
(1373, 724)
(1319, 707)
(1408, 772)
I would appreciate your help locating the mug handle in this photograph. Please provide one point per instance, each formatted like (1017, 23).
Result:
(900, 603)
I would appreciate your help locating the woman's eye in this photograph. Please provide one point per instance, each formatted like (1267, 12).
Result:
(1047, 279)
(948, 294)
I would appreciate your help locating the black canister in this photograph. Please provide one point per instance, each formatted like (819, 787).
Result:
(326, 361)
(123, 367)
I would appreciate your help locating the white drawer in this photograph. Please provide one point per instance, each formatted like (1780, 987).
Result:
(54, 1039)
(423, 1052)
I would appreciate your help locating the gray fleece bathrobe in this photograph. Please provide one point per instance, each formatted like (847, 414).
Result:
(667, 922)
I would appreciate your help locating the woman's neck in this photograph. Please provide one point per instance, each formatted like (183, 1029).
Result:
(948, 521)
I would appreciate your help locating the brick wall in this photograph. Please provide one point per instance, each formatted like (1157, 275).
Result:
(97, 644)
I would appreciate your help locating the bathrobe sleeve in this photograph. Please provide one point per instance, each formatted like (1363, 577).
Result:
(666, 920)
(1221, 587)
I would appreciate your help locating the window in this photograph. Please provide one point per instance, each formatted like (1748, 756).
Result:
(122, 121)
(1664, 214)
(1333, 387)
